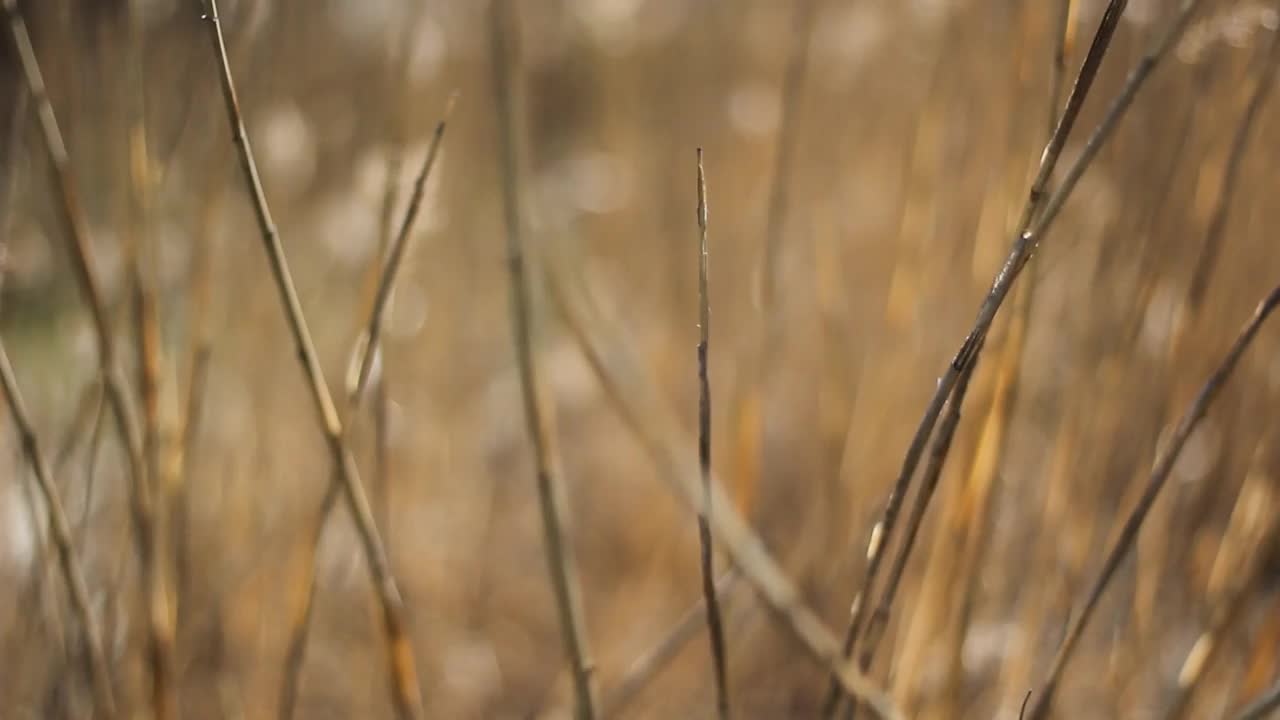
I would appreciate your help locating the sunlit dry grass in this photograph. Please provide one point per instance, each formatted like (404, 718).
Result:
(867, 165)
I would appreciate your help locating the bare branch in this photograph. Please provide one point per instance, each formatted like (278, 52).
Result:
(715, 624)
(538, 412)
(95, 661)
(406, 693)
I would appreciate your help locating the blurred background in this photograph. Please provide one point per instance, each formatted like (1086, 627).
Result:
(867, 163)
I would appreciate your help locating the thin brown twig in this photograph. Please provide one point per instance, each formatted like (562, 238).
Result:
(1159, 474)
(368, 342)
(537, 408)
(646, 666)
(1211, 247)
(715, 624)
(632, 395)
(358, 377)
(76, 233)
(1018, 256)
(406, 693)
(95, 661)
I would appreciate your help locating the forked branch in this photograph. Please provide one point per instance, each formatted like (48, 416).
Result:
(406, 693)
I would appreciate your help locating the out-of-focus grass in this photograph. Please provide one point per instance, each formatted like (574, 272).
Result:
(916, 132)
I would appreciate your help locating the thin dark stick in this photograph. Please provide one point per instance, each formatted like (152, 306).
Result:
(715, 625)
(551, 497)
(1159, 474)
(879, 619)
(1263, 706)
(405, 690)
(644, 668)
(1211, 249)
(95, 661)
(632, 395)
(1075, 101)
(1028, 239)
(1062, 36)
(941, 449)
(1018, 256)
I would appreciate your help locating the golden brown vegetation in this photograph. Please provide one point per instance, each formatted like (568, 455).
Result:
(475, 497)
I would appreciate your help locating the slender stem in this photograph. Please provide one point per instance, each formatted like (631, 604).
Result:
(939, 452)
(1062, 40)
(76, 234)
(395, 256)
(636, 400)
(405, 690)
(360, 372)
(643, 669)
(1018, 256)
(1160, 473)
(1211, 248)
(537, 411)
(95, 660)
(715, 624)
(80, 250)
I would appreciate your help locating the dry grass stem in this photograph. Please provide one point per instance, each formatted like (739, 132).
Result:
(1161, 469)
(632, 395)
(76, 230)
(715, 625)
(371, 335)
(405, 691)
(537, 407)
(95, 660)
(882, 533)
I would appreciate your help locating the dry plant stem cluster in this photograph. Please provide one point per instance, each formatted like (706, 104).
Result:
(537, 409)
(632, 394)
(715, 624)
(406, 693)
(1023, 245)
(95, 660)
(941, 448)
(365, 350)
(1159, 475)
(80, 250)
